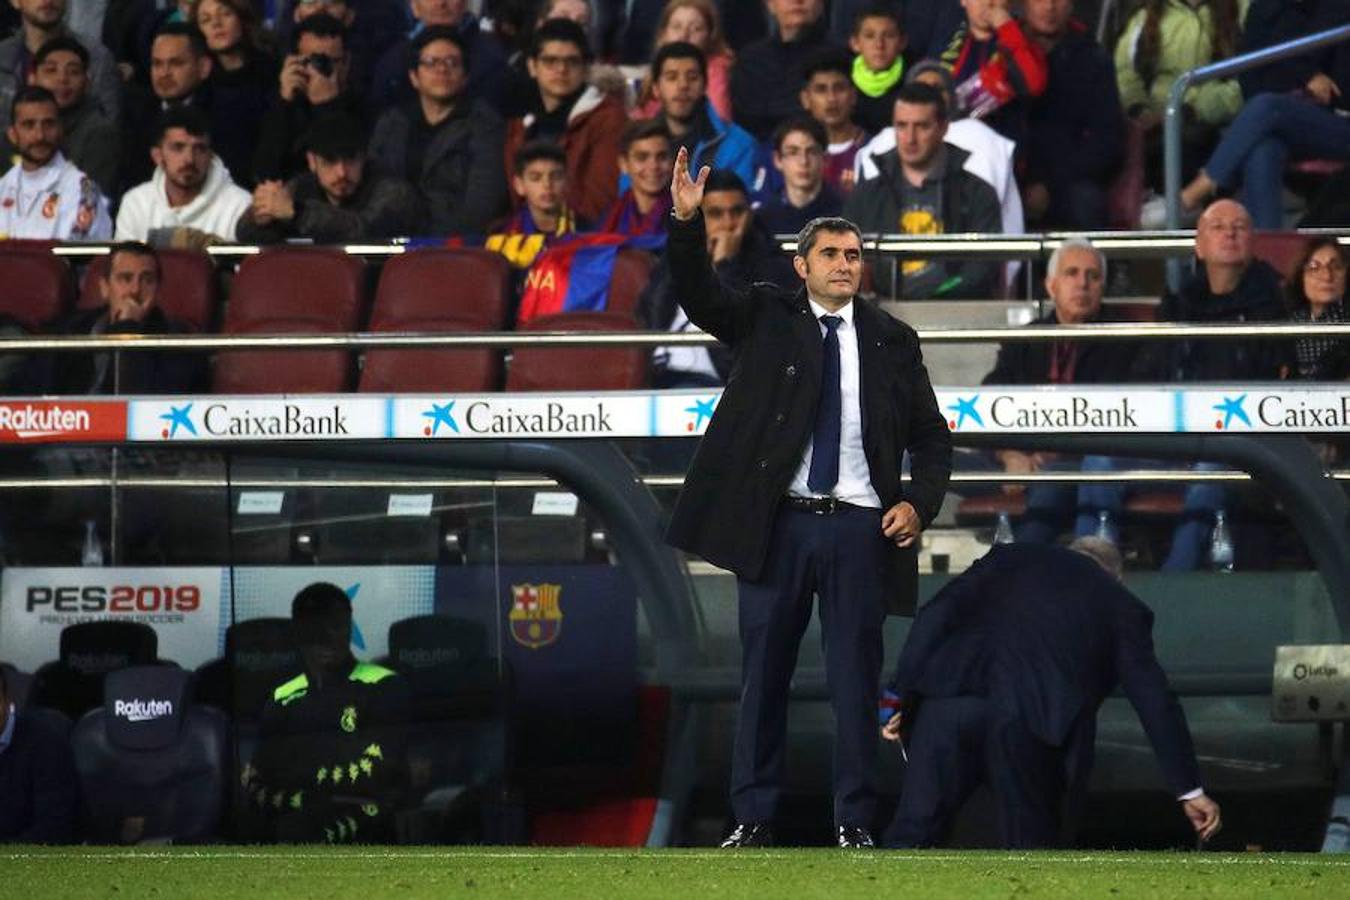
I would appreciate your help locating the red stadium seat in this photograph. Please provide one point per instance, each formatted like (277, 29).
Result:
(291, 291)
(632, 271)
(579, 368)
(38, 287)
(439, 290)
(189, 291)
(1281, 249)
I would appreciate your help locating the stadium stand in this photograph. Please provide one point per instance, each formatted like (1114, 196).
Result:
(578, 369)
(38, 286)
(189, 287)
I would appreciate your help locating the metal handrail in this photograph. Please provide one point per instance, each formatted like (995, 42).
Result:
(1113, 331)
(1143, 244)
(1175, 106)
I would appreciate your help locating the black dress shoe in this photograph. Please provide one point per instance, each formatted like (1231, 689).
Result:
(851, 837)
(758, 835)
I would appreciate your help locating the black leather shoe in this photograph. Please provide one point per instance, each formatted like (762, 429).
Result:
(758, 835)
(851, 837)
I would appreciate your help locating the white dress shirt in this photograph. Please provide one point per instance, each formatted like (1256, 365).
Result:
(855, 479)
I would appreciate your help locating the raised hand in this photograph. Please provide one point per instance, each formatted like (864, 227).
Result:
(686, 194)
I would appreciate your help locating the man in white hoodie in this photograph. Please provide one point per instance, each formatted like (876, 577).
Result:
(44, 196)
(190, 189)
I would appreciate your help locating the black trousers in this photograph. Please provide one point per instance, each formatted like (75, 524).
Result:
(957, 743)
(838, 558)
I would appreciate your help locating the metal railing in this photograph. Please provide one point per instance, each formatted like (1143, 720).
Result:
(1172, 120)
(1114, 331)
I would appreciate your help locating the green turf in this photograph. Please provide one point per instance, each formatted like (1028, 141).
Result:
(361, 874)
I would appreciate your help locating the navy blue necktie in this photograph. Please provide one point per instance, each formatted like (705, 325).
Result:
(825, 439)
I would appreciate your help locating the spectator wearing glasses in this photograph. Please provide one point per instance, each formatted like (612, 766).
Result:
(313, 83)
(445, 142)
(579, 117)
(799, 157)
(1317, 294)
(486, 58)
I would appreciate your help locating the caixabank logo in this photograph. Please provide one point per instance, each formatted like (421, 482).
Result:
(700, 412)
(484, 417)
(251, 419)
(1307, 411)
(1046, 412)
(39, 421)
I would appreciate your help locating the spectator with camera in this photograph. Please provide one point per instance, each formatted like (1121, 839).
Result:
(313, 83)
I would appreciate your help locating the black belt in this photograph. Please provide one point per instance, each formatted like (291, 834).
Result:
(820, 506)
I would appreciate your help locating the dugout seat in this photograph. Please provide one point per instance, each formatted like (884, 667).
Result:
(439, 290)
(459, 741)
(189, 291)
(73, 683)
(291, 291)
(39, 287)
(259, 656)
(579, 368)
(152, 766)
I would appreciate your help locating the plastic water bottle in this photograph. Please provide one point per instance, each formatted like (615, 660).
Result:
(1106, 529)
(92, 554)
(1221, 544)
(1003, 533)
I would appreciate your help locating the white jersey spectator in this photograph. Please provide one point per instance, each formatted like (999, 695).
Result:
(54, 202)
(189, 190)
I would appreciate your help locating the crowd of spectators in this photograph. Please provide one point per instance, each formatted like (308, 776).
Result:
(516, 123)
(442, 96)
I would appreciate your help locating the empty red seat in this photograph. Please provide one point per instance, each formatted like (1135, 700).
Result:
(536, 368)
(632, 271)
(38, 287)
(438, 291)
(291, 291)
(188, 289)
(1281, 249)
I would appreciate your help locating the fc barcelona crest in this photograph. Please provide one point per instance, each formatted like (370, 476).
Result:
(536, 617)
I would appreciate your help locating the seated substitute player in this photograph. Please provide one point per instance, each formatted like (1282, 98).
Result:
(330, 764)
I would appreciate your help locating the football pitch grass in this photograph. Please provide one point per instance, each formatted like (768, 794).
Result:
(702, 874)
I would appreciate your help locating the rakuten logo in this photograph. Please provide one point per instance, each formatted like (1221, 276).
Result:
(142, 710)
(40, 421)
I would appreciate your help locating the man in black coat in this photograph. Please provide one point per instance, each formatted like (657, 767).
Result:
(39, 790)
(796, 488)
(131, 289)
(1002, 675)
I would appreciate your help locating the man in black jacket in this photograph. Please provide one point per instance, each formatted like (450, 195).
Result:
(1075, 279)
(1001, 677)
(131, 289)
(39, 790)
(339, 200)
(796, 488)
(922, 188)
(767, 77)
(1077, 127)
(445, 142)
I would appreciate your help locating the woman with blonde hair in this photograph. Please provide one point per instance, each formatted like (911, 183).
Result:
(695, 22)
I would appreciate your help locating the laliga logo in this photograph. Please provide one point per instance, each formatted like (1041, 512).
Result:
(142, 710)
(1231, 409)
(178, 417)
(701, 410)
(440, 414)
(965, 409)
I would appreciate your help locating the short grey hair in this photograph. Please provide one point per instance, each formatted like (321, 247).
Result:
(806, 238)
(1052, 268)
(1102, 552)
